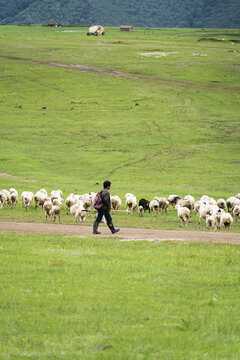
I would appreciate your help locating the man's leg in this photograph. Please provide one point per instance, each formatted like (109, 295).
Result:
(110, 223)
(96, 223)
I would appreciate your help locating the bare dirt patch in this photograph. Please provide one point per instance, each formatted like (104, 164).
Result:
(5, 175)
(125, 234)
(157, 54)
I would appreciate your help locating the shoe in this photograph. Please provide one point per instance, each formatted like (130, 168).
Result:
(115, 230)
(95, 226)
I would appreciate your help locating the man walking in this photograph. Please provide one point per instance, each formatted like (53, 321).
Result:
(105, 209)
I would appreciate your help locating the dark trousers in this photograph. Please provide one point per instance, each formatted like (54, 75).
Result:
(106, 214)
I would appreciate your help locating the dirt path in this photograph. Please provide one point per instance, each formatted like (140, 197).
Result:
(120, 74)
(125, 234)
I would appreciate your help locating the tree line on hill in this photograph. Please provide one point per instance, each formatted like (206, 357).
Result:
(139, 13)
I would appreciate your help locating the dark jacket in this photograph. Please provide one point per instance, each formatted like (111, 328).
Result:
(105, 195)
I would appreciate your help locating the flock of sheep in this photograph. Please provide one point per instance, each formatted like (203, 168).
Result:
(212, 211)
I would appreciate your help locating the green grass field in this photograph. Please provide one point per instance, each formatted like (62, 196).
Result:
(168, 125)
(70, 298)
(171, 126)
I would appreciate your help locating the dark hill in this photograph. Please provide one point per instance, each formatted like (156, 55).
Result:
(154, 13)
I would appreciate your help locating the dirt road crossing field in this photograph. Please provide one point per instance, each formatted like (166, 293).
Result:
(125, 234)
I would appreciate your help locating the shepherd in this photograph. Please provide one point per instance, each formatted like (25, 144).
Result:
(103, 205)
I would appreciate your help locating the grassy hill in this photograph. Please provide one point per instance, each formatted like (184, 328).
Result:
(167, 121)
(155, 13)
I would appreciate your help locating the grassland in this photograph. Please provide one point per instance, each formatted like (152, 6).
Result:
(69, 298)
(168, 124)
(171, 126)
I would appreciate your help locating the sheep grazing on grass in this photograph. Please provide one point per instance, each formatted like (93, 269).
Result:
(173, 199)
(78, 211)
(237, 196)
(140, 211)
(154, 207)
(75, 208)
(48, 208)
(208, 200)
(7, 196)
(80, 214)
(184, 214)
(3, 199)
(226, 221)
(57, 202)
(217, 213)
(70, 201)
(221, 203)
(190, 201)
(131, 202)
(56, 194)
(163, 204)
(55, 212)
(203, 211)
(190, 198)
(186, 203)
(210, 222)
(40, 197)
(197, 206)
(14, 197)
(231, 203)
(27, 199)
(145, 204)
(236, 212)
(87, 202)
(115, 202)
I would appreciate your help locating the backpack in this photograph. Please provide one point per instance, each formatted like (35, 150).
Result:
(97, 201)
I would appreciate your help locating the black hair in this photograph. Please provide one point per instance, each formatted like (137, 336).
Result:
(106, 184)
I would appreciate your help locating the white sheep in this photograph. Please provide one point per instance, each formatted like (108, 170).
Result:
(70, 201)
(237, 195)
(154, 207)
(190, 198)
(204, 210)
(48, 207)
(231, 202)
(55, 212)
(184, 214)
(217, 213)
(3, 199)
(75, 208)
(210, 222)
(173, 199)
(131, 202)
(197, 206)
(56, 194)
(115, 202)
(226, 220)
(8, 195)
(14, 197)
(57, 202)
(80, 214)
(27, 198)
(87, 202)
(40, 197)
(221, 203)
(163, 204)
(186, 203)
(140, 210)
(236, 212)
